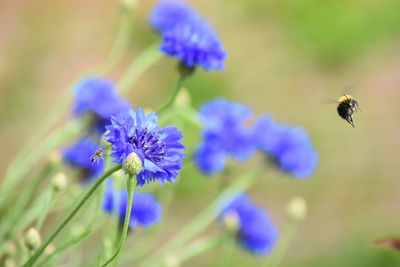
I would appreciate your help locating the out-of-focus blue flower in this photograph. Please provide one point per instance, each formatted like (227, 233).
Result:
(186, 36)
(166, 14)
(98, 96)
(145, 209)
(160, 150)
(79, 156)
(194, 44)
(223, 134)
(256, 234)
(289, 147)
(107, 202)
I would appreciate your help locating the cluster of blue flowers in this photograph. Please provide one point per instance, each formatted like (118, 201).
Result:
(186, 36)
(160, 150)
(224, 134)
(145, 209)
(255, 232)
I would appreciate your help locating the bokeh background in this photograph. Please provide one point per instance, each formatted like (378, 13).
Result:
(289, 58)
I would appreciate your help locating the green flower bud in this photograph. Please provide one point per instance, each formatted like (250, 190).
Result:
(297, 208)
(231, 222)
(132, 164)
(32, 239)
(171, 260)
(183, 98)
(129, 5)
(11, 248)
(59, 181)
(49, 249)
(9, 263)
(55, 159)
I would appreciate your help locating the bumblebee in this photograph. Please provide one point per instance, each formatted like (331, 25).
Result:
(347, 106)
(97, 155)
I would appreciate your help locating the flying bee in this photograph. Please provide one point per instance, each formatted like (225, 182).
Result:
(347, 106)
(97, 155)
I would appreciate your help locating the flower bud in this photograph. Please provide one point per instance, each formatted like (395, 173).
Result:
(297, 208)
(171, 260)
(132, 164)
(183, 98)
(59, 181)
(55, 159)
(9, 263)
(129, 5)
(49, 249)
(231, 222)
(11, 248)
(32, 239)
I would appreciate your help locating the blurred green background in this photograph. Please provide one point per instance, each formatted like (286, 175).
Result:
(288, 58)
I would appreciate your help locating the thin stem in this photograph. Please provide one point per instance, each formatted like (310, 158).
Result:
(283, 245)
(85, 233)
(206, 216)
(142, 63)
(131, 187)
(46, 204)
(39, 252)
(226, 251)
(177, 89)
(197, 247)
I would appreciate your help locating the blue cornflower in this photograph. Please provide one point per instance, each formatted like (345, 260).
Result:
(145, 209)
(194, 43)
(160, 150)
(187, 36)
(289, 147)
(223, 134)
(166, 14)
(79, 156)
(98, 96)
(255, 232)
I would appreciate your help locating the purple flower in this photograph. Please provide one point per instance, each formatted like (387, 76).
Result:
(166, 14)
(256, 234)
(289, 147)
(223, 134)
(78, 156)
(145, 209)
(98, 97)
(160, 150)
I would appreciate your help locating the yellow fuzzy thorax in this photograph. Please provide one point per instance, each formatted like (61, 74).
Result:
(344, 98)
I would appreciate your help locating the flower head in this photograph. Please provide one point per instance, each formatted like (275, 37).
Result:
(186, 36)
(289, 147)
(194, 44)
(256, 233)
(166, 14)
(79, 155)
(145, 209)
(99, 97)
(160, 150)
(223, 134)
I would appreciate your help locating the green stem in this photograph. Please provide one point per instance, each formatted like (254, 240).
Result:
(76, 239)
(39, 252)
(284, 243)
(142, 63)
(207, 216)
(131, 187)
(197, 247)
(177, 89)
(225, 254)
(46, 204)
